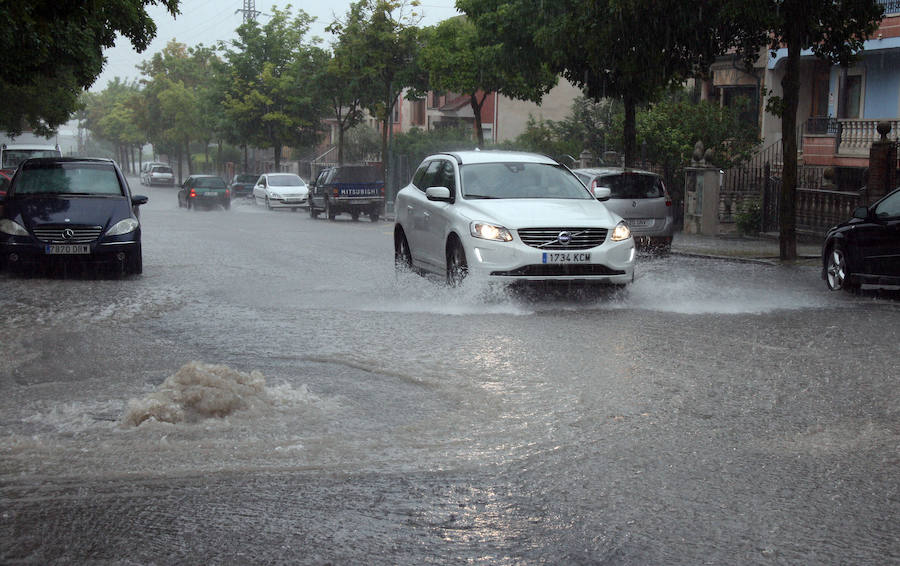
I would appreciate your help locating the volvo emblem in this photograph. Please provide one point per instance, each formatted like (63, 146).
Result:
(564, 238)
(68, 234)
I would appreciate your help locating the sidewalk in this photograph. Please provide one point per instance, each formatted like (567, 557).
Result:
(764, 249)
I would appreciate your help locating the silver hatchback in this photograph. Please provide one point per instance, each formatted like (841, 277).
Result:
(641, 198)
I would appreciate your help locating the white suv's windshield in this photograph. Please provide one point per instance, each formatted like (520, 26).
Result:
(520, 180)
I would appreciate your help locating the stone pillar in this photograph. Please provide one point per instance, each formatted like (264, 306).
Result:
(701, 195)
(585, 159)
(882, 166)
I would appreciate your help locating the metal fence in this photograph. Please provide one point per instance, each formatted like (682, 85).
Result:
(758, 184)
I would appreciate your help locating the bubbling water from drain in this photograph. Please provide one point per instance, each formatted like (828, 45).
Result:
(198, 391)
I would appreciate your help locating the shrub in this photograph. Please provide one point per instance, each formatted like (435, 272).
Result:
(749, 218)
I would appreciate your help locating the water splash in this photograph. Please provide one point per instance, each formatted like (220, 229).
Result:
(198, 391)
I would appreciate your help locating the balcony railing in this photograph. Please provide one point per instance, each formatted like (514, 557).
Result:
(890, 6)
(857, 136)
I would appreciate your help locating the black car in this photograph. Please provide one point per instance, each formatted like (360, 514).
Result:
(866, 248)
(242, 185)
(204, 191)
(68, 209)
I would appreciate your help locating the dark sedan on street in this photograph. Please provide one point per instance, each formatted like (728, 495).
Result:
(866, 248)
(63, 210)
(242, 185)
(204, 191)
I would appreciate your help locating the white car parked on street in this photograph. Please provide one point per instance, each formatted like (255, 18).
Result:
(508, 216)
(281, 190)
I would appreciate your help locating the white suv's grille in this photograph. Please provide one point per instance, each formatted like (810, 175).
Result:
(57, 234)
(563, 238)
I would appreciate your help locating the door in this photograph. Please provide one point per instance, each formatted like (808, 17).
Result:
(439, 215)
(419, 211)
(878, 239)
(259, 189)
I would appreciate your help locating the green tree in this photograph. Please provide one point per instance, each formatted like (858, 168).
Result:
(271, 98)
(344, 84)
(50, 51)
(109, 115)
(627, 49)
(460, 59)
(385, 37)
(173, 75)
(834, 30)
(417, 143)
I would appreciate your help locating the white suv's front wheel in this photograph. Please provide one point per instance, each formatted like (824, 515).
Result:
(457, 268)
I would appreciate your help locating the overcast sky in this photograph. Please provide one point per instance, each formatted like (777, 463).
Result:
(208, 21)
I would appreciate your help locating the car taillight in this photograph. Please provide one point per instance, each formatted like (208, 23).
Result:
(193, 193)
(381, 190)
(334, 192)
(593, 184)
(227, 193)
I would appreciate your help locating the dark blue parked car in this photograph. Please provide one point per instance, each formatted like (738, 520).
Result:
(67, 209)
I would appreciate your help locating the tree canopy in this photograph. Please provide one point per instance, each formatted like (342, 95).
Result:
(459, 59)
(625, 49)
(271, 97)
(51, 51)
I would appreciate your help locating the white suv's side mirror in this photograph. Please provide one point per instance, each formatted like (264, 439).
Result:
(602, 193)
(438, 194)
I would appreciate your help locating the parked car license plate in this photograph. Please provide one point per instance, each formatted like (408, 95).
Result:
(639, 222)
(566, 257)
(67, 249)
(210, 194)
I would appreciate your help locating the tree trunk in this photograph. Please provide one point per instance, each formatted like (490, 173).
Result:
(187, 153)
(180, 164)
(276, 147)
(206, 168)
(630, 131)
(791, 85)
(246, 163)
(476, 110)
(220, 169)
(340, 157)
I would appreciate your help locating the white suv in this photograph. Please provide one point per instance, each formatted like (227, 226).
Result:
(508, 216)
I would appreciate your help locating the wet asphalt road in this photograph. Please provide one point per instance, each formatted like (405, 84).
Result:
(270, 392)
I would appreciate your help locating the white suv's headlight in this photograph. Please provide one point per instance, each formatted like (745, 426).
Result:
(490, 232)
(7, 226)
(274, 195)
(621, 232)
(123, 227)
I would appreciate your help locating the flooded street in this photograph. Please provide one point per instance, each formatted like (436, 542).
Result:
(270, 391)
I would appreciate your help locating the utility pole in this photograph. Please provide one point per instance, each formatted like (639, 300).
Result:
(249, 11)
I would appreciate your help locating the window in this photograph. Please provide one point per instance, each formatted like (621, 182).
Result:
(854, 96)
(418, 112)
